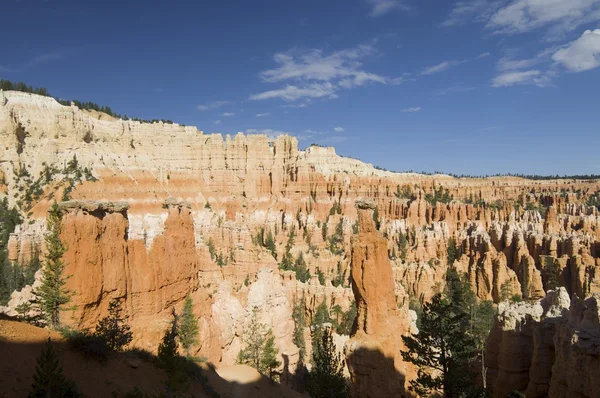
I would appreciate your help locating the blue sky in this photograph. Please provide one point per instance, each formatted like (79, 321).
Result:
(469, 86)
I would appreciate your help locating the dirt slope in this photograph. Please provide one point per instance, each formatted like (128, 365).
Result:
(20, 345)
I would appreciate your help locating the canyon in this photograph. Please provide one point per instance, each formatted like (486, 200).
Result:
(155, 212)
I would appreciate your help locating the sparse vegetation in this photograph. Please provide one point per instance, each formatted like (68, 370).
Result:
(113, 329)
(259, 347)
(326, 378)
(440, 194)
(48, 380)
(7, 85)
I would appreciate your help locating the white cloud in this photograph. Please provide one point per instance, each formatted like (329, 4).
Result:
(217, 122)
(313, 65)
(227, 114)
(582, 54)
(292, 93)
(382, 7)
(470, 10)
(262, 114)
(411, 109)
(213, 105)
(315, 74)
(483, 55)
(507, 63)
(339, 129)
(271, 133)
(440, 67)
(521, 78)
(517, 16)
(525, 15)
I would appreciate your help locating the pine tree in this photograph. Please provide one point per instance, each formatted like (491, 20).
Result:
(481, 323)
(113, 329)
(188, 328)
(48, 380)
(326, 377)
(270, 244)
(441, 350)
(299, 325)
(268, 360)
(259, 347)
(403, 246)
(52, 294)
(170, 361)
(321, 314)
(452, 252)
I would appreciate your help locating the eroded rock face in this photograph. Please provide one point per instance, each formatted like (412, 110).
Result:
(373, 351)
(106, 265)
(576, 369)
(197, 203)
(548, 348)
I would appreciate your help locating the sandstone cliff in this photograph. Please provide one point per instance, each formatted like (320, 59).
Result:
(157, 211)
(373, 351)
(548, 348)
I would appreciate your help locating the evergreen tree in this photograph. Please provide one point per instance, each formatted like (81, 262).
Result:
(170, 361)
(348, 318)
(551, 273)
(441, 351)
(339, 279)
(321, 315)
(268, 360)
(270, 244)
(302, 272)
(259, 347)
(321, 277)
(324, 232)
(52, 293)
(299, 325)
(326, 377)
(481, 322)
(452, 252)
(188, 327)
(112, 329)
(403, 246)
(48, 380)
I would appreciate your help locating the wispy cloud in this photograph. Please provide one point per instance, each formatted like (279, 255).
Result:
(382, 7)
(270, 133)
(483, 55)
(533, 71)
(440, 67)
(213, 105)
(470, 11)
(227, 114)
(582, 54)
(518, 16)
(217, 122)
(534, 77)
(411, 109)
(42, 58)
(459, 88)
(526, 15)
(262, 114)
(37, 60)
(292, 93)
(314, 74)
(323, 136)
